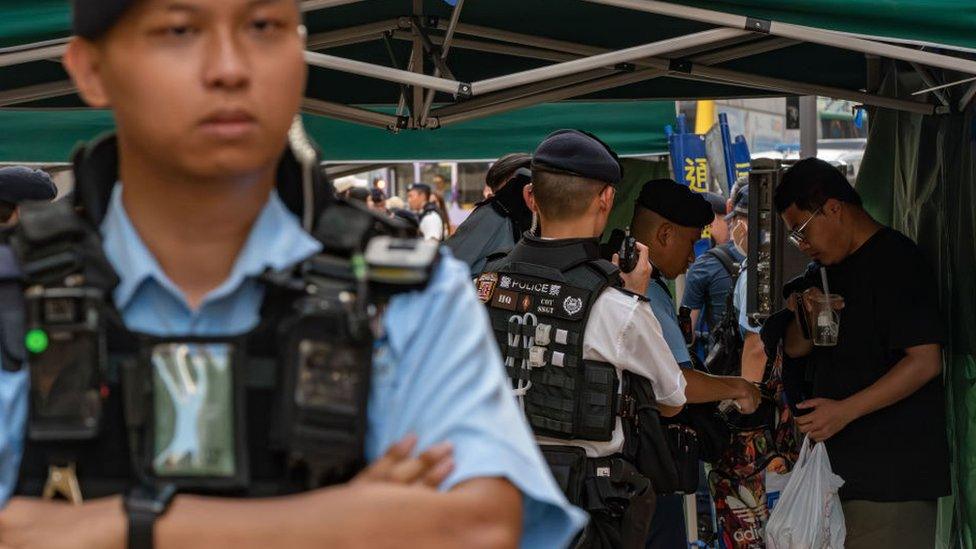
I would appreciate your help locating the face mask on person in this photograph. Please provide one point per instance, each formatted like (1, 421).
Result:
(740, 236)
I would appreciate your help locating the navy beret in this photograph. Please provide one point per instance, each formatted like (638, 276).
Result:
(740, 202)
(92, 18)
(676, 203)
(19, 184)
(578, 153)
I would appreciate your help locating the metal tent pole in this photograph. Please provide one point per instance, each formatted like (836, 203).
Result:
(36, 92)
(554, 95)
(350, 114)
(312, 5)
(809, 126)
(445, 48)
(597, 61)
(351, 35)
(385, 73)
(967, 97)
(796, 32)
(31, 54)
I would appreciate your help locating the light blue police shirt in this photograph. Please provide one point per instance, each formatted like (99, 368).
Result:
(437, 372)
(663, 306)
(739, 301)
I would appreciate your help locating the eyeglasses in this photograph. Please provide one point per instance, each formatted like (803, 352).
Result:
(796, 236)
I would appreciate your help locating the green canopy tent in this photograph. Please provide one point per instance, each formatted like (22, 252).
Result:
(633, 128)
(444, 65)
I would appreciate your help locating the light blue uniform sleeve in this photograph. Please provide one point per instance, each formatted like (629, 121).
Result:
(438, 374)
(13, 419)
(664, 311)
(740, 304)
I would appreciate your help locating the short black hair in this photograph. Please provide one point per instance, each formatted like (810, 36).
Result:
(504, 168)
(809, 183)
(6, 211)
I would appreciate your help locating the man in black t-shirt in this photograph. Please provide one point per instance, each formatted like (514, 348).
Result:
(876, 397)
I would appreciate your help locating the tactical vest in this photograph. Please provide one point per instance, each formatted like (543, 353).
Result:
(58, 245)
(539, 300)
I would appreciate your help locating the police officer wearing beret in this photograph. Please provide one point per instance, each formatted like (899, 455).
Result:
(22, 184)
(497, 222)
(232, 331)
(668, 219)
(577, 336)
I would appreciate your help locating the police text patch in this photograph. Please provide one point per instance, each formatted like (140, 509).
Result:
(528, 294)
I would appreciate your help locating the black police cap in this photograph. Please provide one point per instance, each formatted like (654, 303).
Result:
(676, 203)
(92, 18)
(422, 187)
(578, 153)
(19, 184)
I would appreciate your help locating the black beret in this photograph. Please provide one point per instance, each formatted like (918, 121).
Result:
(578, 153)
(676, 203)
(19, 184)
(92, 18)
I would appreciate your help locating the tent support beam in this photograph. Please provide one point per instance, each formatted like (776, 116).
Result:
(349, 114)
(36, 92)
(929, 81)
(312, 5)
(967, 97)
(385, 73)
(497, 47)
(432, 51)
(521, 91)
(445, 49)
(796, 32)
(31, 54)
(351, 35)
(698, 71)
(554, 95)
(597, 61)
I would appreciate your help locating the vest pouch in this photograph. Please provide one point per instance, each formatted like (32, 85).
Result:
(326, 371)
(646, 442)
(683, 442)
(568, 466)
(65, 351)
(597, 405)
(193, 434)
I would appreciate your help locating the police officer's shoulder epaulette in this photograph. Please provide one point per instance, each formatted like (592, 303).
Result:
(627, 292)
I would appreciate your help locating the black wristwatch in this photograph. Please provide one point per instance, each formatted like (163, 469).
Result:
(143, 505)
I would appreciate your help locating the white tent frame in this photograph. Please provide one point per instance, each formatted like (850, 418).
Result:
(577, 70)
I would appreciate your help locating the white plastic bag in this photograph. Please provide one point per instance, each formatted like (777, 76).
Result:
(808, 514)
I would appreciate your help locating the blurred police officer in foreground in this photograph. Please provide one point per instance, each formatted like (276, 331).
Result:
(578, 338)
(497, 222)
(21, 184)
(197, 326)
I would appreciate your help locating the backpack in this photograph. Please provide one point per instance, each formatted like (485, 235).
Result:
(725, 344)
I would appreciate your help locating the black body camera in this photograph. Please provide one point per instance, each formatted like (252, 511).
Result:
(65, 351)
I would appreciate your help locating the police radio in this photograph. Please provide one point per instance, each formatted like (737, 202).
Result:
(65, 351)
(625, 246)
